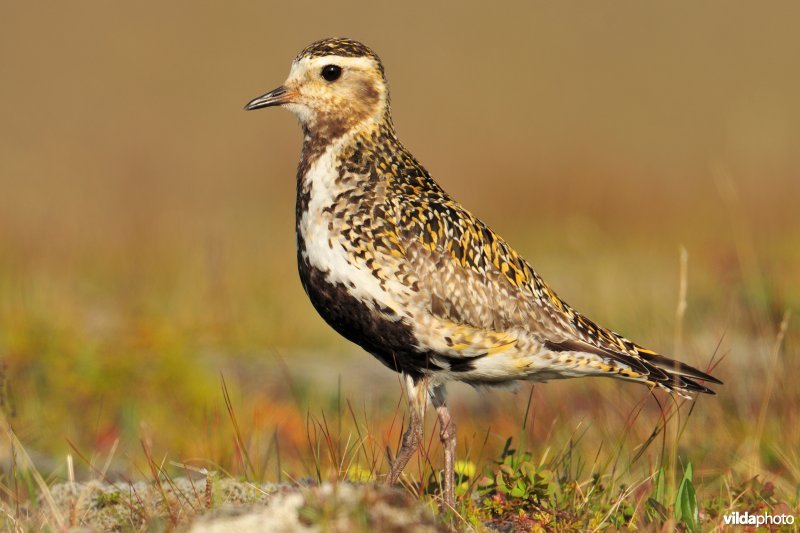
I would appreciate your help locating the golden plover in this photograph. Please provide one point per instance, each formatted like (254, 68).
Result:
(395, 265)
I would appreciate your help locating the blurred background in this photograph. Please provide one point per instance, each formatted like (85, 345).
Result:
(147, 222)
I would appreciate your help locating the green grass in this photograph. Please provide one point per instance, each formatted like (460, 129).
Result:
(650, 485)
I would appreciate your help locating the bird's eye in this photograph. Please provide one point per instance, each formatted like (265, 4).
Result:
(331, 72)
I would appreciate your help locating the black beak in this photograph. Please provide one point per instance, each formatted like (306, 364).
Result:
(278, 96)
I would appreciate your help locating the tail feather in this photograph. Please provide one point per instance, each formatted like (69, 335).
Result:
(676, 367)
(693, 386)
(653, 368)
(674, 375)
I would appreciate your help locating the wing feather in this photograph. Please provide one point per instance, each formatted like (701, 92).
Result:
(473, 283)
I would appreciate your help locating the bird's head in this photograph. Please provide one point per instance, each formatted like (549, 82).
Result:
(334, 86)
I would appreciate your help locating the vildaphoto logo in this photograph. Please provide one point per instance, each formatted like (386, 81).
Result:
(747, 519)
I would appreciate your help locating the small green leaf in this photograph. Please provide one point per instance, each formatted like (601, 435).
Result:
(500, 483)
(519, 490)
(686, 508)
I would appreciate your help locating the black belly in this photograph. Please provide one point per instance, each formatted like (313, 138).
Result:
(391, 341)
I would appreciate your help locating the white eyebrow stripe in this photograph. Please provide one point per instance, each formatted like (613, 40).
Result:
(357, 62)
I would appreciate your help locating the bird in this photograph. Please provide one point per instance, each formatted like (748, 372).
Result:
(397, 266)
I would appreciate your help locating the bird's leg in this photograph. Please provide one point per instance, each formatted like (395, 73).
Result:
(417, 392)
(411, 441)
(447, 433)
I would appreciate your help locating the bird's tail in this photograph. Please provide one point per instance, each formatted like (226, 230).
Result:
(675, 376)
(639, 364)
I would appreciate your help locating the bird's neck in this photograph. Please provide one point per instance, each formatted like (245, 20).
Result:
(333, 139)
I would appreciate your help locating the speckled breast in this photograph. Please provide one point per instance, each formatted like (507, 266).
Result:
(338, 267)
